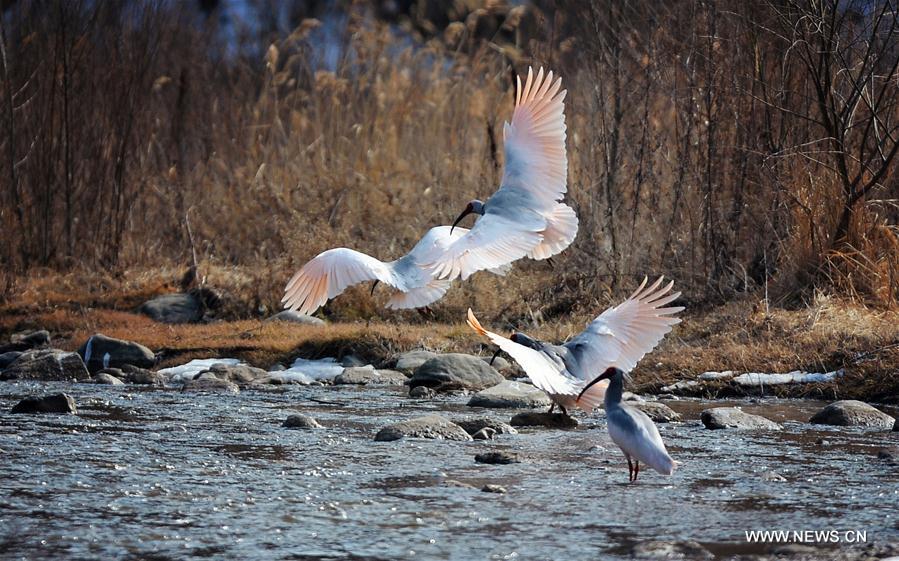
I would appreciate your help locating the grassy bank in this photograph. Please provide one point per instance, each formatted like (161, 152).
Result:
(824, 335)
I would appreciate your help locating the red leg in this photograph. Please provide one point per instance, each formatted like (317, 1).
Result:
(636, 469)
(630, 469)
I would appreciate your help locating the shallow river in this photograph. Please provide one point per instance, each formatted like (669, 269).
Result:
(160, 474)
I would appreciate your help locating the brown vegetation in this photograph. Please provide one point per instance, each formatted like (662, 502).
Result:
(746, 150)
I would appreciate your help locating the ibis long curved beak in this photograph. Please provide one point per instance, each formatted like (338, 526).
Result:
(465, 213)
(604, 376)
(496, 354)
(374, 284)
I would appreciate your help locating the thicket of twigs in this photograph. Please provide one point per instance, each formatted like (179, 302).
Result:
(737, 147)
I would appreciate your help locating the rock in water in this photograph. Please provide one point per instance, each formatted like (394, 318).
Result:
(658, 412)
(510, 395)
(366, 375)
(498, 457)
(142, 376)
(241, 374)
(422, 392)
(852, 413)
(8, 358)
(101, 352)
(549, 420)
(57, 403)
(296, 317)
(108, 379)
(670, 550)
(300, 421)
(455, 371)
(735, 418)
(476, 425)
(47, 365)
(493, 488)
(173, 308)
(408, 362)
(209, 383)
(430, 426)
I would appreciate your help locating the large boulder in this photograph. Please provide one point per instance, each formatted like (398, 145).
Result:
(57, 403)
(47, 365)
(735, 418)
(100, 352)
(409, 361)
(26, 341)
(291, 316)
(240, 374)
(510, 395)
(543, 419)
(429, 426)
(174, 308)
(365, 375)
(658, 412)
(455, 371)
(8, 358)
(852, 413)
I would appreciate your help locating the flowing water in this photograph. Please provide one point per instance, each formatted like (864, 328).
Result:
(160, 474)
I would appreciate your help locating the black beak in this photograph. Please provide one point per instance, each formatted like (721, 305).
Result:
(465, 213)
(496, 354)
(374, 284)
(604, 376)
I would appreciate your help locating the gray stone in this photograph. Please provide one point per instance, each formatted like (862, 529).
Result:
(501, 365)
(455, 371)
(8, 358)
(498, 457)
(493, 488)
(407, 362)
(296, 317)
(300, 421)
(549, 420)
(32, 339)
(422, 392)
(353, 361)
(100, 351)
(108, 379)
(142, 376)
(209, 383)
(670, 550)
(240, 374)
(173, 308)
(430, 426)
(681, 386)
(486, 433)
(852, 413)
(475, 425)
(368, 375)
(735, 418)
(773, 476)
(510, 395)
(47, 365)
(658, 412)
(57, 403)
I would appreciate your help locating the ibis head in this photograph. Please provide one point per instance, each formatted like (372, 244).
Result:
(524, 340)
(474, 207)
(609, 374)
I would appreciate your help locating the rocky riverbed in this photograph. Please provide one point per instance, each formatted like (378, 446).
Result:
(168, 470)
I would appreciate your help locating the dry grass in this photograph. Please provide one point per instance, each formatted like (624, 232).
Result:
(828, 334)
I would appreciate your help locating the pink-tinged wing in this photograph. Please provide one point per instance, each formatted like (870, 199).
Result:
(622, 335)
(543, 372)
(332, 272)
(534, 142)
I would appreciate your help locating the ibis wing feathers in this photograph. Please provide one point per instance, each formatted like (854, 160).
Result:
(543, 371)
(493, 242)
(419, 297)
(623, 334)
(332, 272)
(561, 229)
(534, 142)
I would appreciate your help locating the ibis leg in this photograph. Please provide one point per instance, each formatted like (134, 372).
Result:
(630, 468)
(552, 407)
(636, 468)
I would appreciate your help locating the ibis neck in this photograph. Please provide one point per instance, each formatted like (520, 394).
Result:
(614, 392)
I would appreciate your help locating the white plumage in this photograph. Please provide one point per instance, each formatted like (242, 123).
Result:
(525, 217)
(620, 337)
(333, 271)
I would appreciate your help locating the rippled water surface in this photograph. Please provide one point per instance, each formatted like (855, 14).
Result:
(160, 474)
